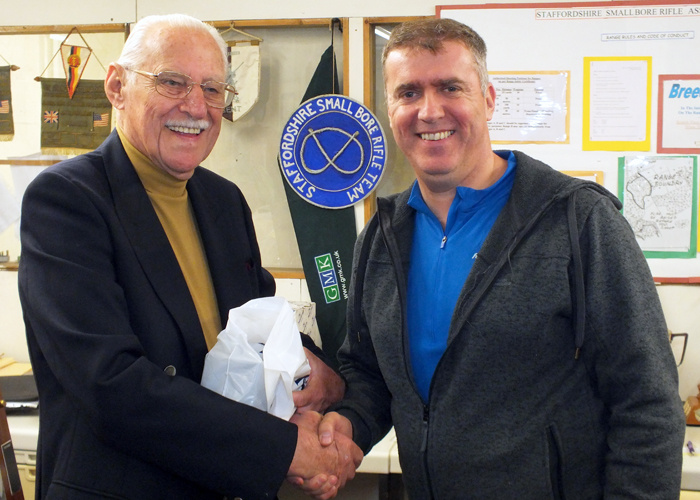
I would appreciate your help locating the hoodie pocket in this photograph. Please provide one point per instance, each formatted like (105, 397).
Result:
(555, 463)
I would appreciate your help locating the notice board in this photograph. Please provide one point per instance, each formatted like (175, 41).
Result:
(608, 91)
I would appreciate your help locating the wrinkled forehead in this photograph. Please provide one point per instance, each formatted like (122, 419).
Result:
(166, 46)
(405, 53)
(434, 47)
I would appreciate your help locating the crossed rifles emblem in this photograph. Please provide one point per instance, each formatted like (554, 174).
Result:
(331, 162)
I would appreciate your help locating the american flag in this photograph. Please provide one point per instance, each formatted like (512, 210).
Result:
(50, 116)
(4, 106)
(100, 120)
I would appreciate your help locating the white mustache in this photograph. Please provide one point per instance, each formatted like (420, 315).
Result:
(199, 125)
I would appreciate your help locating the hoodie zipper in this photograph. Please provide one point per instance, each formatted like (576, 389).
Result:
(395, 256)
(424, 447)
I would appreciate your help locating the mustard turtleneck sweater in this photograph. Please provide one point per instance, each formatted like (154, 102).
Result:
(168, 196)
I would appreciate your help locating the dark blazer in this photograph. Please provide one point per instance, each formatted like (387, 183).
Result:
(109, 319)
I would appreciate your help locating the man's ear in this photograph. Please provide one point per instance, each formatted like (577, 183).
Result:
(114, 86)
(389, 110)
(490, 101)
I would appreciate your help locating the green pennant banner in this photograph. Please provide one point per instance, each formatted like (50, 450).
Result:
(73, 125)
(326, 237)
(7, 126)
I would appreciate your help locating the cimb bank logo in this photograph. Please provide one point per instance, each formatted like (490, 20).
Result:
(333, 283)
(332, 151)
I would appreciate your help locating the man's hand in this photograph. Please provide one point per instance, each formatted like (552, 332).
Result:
(323, 388)
(332, 424)
(317, 470)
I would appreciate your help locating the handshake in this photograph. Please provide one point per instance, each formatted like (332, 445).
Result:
(326, 456)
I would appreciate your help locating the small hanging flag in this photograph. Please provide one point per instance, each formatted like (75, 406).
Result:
(75, 59)
(243, 57)
(100, 120)
(245, 64)
(50, 116)
(4, 106)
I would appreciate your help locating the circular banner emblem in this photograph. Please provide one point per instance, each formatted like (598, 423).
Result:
(333, 151)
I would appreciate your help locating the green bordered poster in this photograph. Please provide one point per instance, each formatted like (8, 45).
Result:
(659, 200)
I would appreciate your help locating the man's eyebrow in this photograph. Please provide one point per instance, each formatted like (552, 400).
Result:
(447, 82)
(413, 86)
(406, 86)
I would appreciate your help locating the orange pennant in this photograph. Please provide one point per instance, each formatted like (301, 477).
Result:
(74, 62)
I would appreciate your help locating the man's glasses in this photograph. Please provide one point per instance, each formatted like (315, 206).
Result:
(178, 86)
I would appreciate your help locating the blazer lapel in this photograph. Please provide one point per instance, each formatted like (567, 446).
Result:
(152, 248)
(226, 244)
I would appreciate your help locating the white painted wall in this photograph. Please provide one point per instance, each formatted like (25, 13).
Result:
(47, 12)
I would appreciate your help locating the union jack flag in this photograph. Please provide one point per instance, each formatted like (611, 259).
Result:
(4, 106)
(100, 120)
(50, 116)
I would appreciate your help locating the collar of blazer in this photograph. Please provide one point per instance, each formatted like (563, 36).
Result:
(152, 247)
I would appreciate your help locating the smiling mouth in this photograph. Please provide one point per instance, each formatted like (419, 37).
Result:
(186, 130)
(437, 136)
(193, 127)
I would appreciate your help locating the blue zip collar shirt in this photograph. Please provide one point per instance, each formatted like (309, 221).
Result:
(440, 263)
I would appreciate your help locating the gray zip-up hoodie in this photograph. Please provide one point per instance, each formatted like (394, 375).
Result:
(558, 381)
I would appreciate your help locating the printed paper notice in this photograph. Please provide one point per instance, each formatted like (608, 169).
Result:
(530, 107)
(679, 114)
(617, 103)
(659, 198)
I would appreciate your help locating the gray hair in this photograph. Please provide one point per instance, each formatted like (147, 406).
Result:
(430, 34)
(136, 49)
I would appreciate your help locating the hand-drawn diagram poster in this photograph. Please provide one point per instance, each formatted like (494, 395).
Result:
(659, 198)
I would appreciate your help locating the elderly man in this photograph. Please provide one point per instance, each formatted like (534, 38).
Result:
(502, 316)
(132, 256)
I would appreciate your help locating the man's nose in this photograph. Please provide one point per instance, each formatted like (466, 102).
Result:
(431, 107)
(194, 103)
